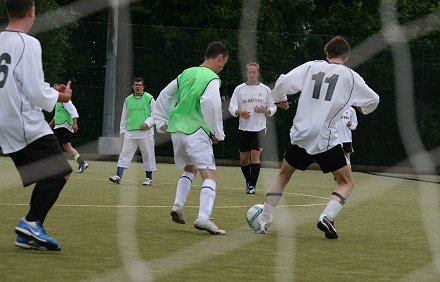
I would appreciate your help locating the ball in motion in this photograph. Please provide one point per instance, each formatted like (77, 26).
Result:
(254, 214)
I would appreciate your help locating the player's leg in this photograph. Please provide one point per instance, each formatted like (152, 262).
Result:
(146, 146)
(41, 162)
(256, 145)
(335, 161)
(245, 155)
(201, 154)
(129, 147)
(294, 158)
(185, 181)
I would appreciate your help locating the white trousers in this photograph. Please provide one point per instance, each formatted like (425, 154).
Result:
(146, 146)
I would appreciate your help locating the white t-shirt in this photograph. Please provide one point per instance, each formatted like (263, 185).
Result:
(327, 90)
(344, 130)
(71, 109)
(23, 92)
(247, 97)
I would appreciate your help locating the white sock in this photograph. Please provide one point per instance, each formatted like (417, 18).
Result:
(207, 197)
(267, 212)
(183, 187)
(332, 209)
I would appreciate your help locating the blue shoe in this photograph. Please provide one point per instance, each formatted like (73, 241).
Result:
(34, 230)
(82, 167)
(27, 243)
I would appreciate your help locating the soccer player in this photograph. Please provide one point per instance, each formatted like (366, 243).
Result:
(346, 124)
(65, 124)
(252, 103)
(24, 133)
(190, 108)
(327, 88)
(137, 130)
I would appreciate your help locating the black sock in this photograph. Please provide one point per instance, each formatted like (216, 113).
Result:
(255, 172)
(246, 170)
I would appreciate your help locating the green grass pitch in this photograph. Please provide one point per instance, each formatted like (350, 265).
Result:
(124, 232)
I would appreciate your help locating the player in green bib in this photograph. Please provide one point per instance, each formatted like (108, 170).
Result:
(137, 131)
(190, 109)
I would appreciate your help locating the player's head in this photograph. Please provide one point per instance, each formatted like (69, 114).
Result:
(217, 55)
(252, 73)
(138, 85)
(18, 9)
(337, 47)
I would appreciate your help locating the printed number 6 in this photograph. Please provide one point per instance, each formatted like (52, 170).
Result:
(4, 68)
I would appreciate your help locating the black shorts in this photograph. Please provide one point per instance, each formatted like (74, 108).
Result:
(348, 147)
(40, 160)
(64, 135)
(251, 140)
(328, 161)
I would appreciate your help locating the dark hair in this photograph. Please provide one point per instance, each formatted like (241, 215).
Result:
(214, 49)
(18, 8)
(337, 47)
(138, 79)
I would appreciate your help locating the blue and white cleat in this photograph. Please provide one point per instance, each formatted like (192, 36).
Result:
(82, 167)
(34, 230)
(26, 243)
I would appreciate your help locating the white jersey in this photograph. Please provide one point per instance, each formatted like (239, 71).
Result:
(344, 130)
(247, 97)
(71, 109)
(327, 90)
(23, 92)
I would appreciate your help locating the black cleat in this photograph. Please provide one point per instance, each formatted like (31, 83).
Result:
(328, 227)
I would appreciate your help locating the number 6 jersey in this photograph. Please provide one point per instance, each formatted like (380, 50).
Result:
(23, 92)
(327, 90)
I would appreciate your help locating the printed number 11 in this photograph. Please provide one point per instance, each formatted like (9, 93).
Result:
(318, 84)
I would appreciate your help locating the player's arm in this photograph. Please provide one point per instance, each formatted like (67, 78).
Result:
(233, 104)
(211, 105)
(149, 122)
(165, 103)
(124, 120)
(271, 108)
(353, 119)
(364, 97)
(290, 83)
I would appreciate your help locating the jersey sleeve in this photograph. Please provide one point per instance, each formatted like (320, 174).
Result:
(233, 104)
(211, 105)
(71, 109)
(124, 119)
(39, 92)
(290, 83)
(150, 120)
(364, 97)
(165, 103)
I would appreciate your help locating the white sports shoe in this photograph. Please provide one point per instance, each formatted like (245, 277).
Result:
(261, 227)
(148, 182)
(177, 214)
(208, 225)
(115, 179)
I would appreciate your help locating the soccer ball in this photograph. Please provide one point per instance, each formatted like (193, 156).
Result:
(254, 214)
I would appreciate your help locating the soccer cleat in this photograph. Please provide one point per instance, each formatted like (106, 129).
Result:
(327, 226)
(115, 179)
(251, 190)
(148, 182)
(177, 214)
(261, 227)
(34, 230)
(26, 243)
(208, 225)
(82, 167)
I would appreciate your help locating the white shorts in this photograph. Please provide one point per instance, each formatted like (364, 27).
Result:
(195, 149)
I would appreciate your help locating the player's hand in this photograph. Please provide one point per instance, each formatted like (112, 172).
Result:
(283, 105)
(260, 109)
(244, 114)
(214, 139)
(144, 126)
(164, 127)
(75, 128)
